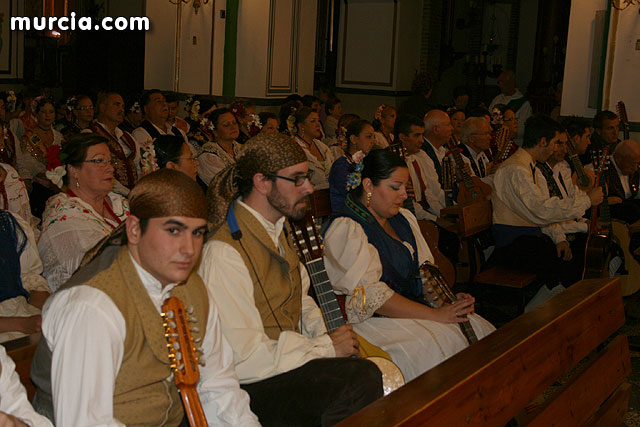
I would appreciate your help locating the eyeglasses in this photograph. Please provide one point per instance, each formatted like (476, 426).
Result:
(101, 163)
(89, 107)
(298, 180)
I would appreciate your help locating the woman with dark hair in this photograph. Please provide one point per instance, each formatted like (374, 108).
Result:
(32, 152)
(268, 122)
(305, 125)
(173, 153)
(222, 151)
(82, 111)
(358, 142)
(384, 121)
(286, 110)
(373, 252)
(85, 211)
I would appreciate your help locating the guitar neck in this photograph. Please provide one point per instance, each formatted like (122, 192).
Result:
(324, 293)
(583, 179)
(192, 406)
(447, 181)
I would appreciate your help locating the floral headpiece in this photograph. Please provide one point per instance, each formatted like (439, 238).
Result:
(379, 110)
(451, 110)
(254, 125)
(71, 103)
(39, 102)
(10, 101)
(355, 177)
(135, 108)
(148, 160)
(207, 125)
(238, 109)
(341, 136)
(55, 167)
(291, 122)
(496, 116)
(192, 106)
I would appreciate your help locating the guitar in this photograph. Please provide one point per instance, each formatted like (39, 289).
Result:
(448, 178)
(437, 293)
(308, 242)
(471, 189)
(624, 119)
(581, 177)
(184, 361)
(598, 246)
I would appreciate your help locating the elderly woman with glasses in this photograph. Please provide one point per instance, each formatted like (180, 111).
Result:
(84, 212)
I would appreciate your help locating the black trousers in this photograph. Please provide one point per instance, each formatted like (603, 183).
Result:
(320, 392)
(539, 255)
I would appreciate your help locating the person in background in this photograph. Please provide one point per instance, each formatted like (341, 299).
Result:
(173, 103)
(457, 119)
(305, 126)
(513, 98)
(269, 122)
(172, 153)
(384, 121)
(333, 109)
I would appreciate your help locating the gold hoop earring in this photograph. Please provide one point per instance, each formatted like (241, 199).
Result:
(77, 183)
(368, 199)
(301, 132)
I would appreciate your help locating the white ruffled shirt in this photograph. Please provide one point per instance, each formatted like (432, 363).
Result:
(319, 168)
(70, 227)
(256, 356)
(82, 382)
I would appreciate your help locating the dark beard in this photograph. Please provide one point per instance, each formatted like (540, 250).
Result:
(279, 203)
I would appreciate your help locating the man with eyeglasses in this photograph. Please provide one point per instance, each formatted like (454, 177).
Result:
(476, 138)
(294, 372)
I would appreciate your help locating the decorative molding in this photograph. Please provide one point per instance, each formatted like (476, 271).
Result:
(380, 92)
(345, 32)
(292, 85)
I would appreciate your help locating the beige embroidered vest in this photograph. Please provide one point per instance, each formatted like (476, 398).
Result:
(276, 279)
(502, 214)
(143, 393)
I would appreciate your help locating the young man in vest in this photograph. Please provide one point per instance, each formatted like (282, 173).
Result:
(283, 355)
(104, 354)
(525, 217)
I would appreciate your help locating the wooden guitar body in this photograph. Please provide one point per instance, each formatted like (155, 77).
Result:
(588, 187)
(596, 256)
(473, 194)
(630, 283)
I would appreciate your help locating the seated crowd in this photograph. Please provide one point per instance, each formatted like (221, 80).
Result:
(109, 209)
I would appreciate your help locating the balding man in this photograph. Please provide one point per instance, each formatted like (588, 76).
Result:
(437, 132)
(623, 178)
(476, 138)
(513, 98)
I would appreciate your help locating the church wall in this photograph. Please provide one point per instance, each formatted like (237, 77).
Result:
(623, 66)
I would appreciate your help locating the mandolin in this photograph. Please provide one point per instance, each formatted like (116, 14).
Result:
(581, 177)
(437, 293)
(183, 357)
(309, 245)
(471, 189)
(624, 119)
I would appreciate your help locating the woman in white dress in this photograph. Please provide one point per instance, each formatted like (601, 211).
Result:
(86, 211)
(372, 255)
(305, 125)
(384, 120)
(222, 151)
